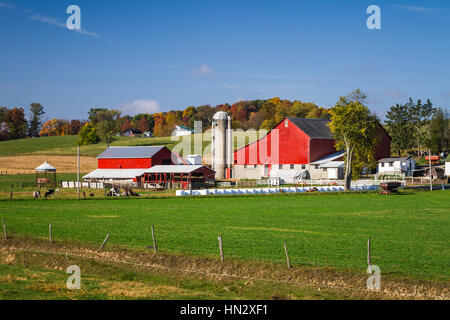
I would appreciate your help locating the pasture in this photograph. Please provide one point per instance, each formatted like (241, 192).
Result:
(410, 232)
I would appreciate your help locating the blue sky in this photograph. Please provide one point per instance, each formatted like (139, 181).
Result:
(148, 56)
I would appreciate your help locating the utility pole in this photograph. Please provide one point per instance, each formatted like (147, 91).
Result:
(431, 175)
(78, 172)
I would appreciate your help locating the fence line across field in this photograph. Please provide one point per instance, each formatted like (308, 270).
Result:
(219, 238)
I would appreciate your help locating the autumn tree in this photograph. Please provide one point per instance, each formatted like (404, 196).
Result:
(16, 124)
(354, 128)
(35, 123)
(75, 126)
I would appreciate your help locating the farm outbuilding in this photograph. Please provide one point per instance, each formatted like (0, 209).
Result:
(45, 175)
(145, 166)
(297, 144)
(398, 165)
(447, 166)
(179, 176)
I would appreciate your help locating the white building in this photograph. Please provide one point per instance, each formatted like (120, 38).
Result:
(194, 159)
(399, 165)
(447, 166)
(181, 131)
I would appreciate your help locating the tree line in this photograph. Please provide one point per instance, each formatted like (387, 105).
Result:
(414, 126)
(15, 125)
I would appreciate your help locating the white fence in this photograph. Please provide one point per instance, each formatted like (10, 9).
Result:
(75, 184)
(206, 192)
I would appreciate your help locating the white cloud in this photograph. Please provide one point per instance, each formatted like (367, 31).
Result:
(203, 70)
(140, 106)
(6, 5)
(56, 22)
(414, 8)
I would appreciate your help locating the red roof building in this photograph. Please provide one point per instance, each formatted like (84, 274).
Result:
(293, 144)
(134, 157)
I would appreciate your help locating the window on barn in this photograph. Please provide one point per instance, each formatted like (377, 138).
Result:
(291, 166)
(280, 166)
(245, 166)
(286, 123)
(303, 166)
(316, 166)
(391, 164)
(324, 169)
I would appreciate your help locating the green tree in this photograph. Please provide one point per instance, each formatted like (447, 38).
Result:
(400, 128)
(420, 119)
(93, 114)
(36, 119)
(354, 129)
(107, 124)
(440, 131)
(88, 135)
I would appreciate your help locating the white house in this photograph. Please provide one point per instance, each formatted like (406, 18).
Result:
(399, 165)
(181, 131)
(447, 166)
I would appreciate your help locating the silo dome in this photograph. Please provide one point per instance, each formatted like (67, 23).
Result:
(221, 115)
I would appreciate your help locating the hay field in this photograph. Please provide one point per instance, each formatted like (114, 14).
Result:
(63, 164)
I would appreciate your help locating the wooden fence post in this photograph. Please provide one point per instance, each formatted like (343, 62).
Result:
(4, 229)
(368, 256)
(104, 242)
(50, 233)
(221, 248)
(155, 248)
(287, 256)
(11, 194)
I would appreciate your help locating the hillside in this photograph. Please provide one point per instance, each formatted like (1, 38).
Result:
(66, 145)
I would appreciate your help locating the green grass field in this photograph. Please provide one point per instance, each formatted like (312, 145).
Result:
(410, 232)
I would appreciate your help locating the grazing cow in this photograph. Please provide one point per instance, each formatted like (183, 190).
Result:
(50, 192)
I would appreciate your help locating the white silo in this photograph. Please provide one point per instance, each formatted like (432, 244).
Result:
(221, 144)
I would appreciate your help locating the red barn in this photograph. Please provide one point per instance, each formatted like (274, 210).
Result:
(134, 157)
(296, 144)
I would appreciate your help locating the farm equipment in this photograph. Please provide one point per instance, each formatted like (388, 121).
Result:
(389, 187)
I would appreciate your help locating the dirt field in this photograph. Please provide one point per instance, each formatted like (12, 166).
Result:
(63, 164)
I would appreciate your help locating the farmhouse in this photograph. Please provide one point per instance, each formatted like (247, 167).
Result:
(181, 131)
(297, 148)
(399, 165)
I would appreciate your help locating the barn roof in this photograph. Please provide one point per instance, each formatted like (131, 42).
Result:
(314, 128)
(45, 167)
(401, 159)
(174, 168)
(329, 158)
(114, 174)
(129, 152)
